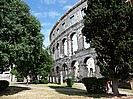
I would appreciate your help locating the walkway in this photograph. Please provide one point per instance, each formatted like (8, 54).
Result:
(80, 88)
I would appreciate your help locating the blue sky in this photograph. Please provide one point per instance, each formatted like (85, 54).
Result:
(48, 12)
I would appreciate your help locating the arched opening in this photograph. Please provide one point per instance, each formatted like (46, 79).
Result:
(53, 70)
(75, 70)
(86, 45)
(90, 66)
(57, 51)
(64, 42)
(65, 71)
(57, 69)
(65, 67)
(74, 42)
(53, 52)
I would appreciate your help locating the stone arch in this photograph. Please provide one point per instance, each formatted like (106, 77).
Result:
(74, 42)
(64, 67)
(86, 45)
(57, 70)
(57, 50)
(52, 70)
(75, 70)
(65, 71)
(85, 60)
(64, 43)
(53, 52)
(57, 46)
(90, 66)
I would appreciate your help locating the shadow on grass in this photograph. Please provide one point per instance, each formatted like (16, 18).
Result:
(13, 90)
(78, 92)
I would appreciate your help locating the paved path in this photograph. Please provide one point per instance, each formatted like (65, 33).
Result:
(81, 88)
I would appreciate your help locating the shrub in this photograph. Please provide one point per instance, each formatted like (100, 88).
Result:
(3, 84)
(35, 81)
(70, 82)
(102, 85)
(20, 79)
(43, 81)
(94, 85)
(124, 84)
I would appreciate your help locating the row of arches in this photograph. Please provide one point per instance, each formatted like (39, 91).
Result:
(68, 45)
(76, 69)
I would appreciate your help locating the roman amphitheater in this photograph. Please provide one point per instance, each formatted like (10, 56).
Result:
(73, 57)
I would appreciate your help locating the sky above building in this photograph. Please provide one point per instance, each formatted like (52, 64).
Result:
(48, 12)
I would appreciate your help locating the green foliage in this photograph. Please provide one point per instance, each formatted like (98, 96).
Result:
(41, 81)
(3, 85)
(18, 75)
(21, 42)
(108, 27)
(43, 67)
(70, 82)
(124, 84)
(94, 85)
(35, 81)
(20, 37)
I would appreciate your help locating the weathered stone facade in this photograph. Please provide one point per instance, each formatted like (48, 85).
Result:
(72, 55)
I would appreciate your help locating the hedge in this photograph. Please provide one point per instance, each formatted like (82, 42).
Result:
(3, 85)
(42, 81)
(94, 85)
(70, 82)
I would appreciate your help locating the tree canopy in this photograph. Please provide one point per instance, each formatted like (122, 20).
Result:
(108, 27)
(21, 42)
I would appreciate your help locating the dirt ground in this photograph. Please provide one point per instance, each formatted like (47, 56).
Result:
(20, 91)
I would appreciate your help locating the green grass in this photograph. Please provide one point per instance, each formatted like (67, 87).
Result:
(59, 92)
(47, 85)
(127, 90)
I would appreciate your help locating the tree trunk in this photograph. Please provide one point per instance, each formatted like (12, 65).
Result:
(27, 82)
(115, 87)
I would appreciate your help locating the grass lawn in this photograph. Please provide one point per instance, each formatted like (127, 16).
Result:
(42, 91)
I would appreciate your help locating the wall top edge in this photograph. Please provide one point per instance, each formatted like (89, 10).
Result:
(66, 13)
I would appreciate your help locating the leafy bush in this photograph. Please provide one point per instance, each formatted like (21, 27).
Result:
(35, 81)
(20, 79)
(124, 84)
(94, 85)
(42, 81)
(18, 75)
(70, 82)
(3, 84)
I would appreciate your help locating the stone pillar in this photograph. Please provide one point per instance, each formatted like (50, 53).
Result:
(50, 80)
(80, 40)
(57, 79)
(61, 78)
(131, 84)
(61, 49)
(53, 79)
(69, 46)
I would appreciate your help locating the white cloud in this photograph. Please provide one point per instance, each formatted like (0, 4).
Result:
(46, 24)
(51, 14)
(53, 1)
(62, 1)
(39, 14)
(67, 7)
(48, 1)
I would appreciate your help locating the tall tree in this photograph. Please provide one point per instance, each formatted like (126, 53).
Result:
(44, 64)
(108, 27)
(20, 38)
